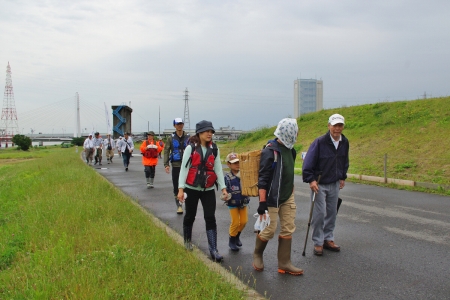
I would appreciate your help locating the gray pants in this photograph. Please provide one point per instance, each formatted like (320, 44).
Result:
(324, 213)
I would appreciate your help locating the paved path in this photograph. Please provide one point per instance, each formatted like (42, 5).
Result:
(395, 244)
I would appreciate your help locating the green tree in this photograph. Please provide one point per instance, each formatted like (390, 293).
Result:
(22, 141)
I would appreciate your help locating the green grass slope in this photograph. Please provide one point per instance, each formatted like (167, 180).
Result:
(411, 133)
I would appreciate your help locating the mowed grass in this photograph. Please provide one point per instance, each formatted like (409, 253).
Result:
(412, 135)
(65, 232)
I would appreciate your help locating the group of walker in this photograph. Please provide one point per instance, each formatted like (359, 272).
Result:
(197, 169)
(93, 148)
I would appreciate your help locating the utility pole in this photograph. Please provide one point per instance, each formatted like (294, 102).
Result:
(187, 122)
(9, 121)
(77, 132)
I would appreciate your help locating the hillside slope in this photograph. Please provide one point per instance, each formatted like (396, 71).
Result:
(413, 135)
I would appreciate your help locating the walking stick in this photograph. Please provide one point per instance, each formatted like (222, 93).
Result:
(310, 217)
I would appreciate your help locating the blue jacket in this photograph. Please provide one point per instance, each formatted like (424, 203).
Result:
(323, 158)
(270, 172)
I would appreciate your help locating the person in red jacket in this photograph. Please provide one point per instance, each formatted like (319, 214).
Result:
(150, 150)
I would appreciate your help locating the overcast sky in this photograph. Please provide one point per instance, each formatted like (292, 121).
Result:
(238, 59)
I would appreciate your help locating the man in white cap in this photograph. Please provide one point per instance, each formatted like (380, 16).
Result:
(327, 158)
(88, 147)
(173, 154)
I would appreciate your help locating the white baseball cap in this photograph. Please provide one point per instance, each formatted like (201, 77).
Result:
(336, 119)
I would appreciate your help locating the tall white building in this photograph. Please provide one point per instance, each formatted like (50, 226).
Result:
(308, 96)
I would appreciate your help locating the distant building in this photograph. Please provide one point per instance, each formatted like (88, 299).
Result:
(308, 96)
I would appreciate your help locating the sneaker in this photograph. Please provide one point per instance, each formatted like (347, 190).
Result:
(126, 169)
(148, 185)
(100, 164)
(179, 210)
(95, 163)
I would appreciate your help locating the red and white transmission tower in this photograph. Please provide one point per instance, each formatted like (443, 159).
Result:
(9, 122)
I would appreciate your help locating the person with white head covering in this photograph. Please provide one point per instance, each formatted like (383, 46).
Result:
(327, 158)
(276, 195)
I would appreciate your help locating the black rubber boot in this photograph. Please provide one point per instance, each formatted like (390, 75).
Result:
(232, 244)
(187, 235)
(238, 241)
(212, 245)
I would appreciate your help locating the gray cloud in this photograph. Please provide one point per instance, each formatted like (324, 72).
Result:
(237, 58)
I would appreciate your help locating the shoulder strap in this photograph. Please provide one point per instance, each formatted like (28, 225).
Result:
(214, 150)
(190, 157)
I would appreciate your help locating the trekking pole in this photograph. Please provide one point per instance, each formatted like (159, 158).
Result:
(310, 217)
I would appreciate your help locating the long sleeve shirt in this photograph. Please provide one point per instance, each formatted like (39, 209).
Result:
(109, 141)
(88, 144)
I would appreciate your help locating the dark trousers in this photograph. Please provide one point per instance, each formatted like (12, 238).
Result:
(175, 175)
(126, 159)
(149, 171)
(208, 199)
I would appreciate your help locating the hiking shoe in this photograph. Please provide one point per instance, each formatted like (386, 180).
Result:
(148, 185)
(330, 245)
(179, 210)
(318, 250)
(126, 169)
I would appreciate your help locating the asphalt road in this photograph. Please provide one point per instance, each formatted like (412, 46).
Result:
(394, 244)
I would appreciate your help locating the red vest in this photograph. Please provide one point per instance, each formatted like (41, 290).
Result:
(201, 172)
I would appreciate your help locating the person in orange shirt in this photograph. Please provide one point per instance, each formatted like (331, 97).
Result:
(150, 150)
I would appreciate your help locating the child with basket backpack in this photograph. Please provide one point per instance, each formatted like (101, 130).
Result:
(150, 151)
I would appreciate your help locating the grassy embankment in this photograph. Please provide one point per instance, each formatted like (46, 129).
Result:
(65, 232)
(413, 134)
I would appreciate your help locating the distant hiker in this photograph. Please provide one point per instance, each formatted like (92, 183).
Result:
(327, 155)
(161, 143)
(200, 169)
(117, 145)
(98, 144)
(276, 195)
(237, 203)
(150, 150)
(126, 147)
(109, 145)
(88, 147)
(173, 154)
